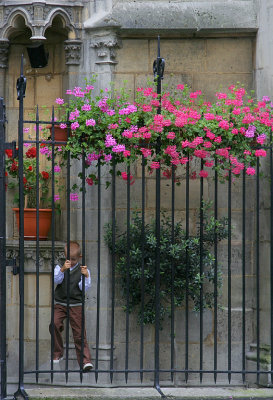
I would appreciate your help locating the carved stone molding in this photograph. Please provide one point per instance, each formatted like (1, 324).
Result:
(4, 50)
(105, 48)
(72, 52)
(45, 255)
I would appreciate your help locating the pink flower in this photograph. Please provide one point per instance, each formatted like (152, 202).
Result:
(74, 197)
(146, 152)
(180, 87)
(59, 101)
(90, 122)
(126, 153)
(209, 163)
(260, 153)
(63, 126)
(235, 131)
(74, 125)
(26, 130)
(209, 116)
(218, 139)
(108, 157)
(203, 173)
(86, 107)
(119, 148)
(221, 95)
(261, 138)
(57, 168)
(250, 171)
(56, 197)
(155, 165)
(222, 152)
(110, 141)
(171, 135)
(224, 124)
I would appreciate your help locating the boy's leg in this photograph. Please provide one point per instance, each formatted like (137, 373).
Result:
(75, 314)
(59, 316)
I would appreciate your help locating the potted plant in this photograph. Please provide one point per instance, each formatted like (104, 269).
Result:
(30, 190)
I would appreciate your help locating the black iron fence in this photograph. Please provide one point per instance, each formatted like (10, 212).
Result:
(172, 302)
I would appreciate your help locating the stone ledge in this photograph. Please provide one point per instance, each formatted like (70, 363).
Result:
(194, 17)
(209, 393)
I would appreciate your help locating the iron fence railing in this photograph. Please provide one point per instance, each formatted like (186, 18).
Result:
(209, 342)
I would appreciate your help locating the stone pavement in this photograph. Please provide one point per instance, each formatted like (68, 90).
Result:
(204, 393)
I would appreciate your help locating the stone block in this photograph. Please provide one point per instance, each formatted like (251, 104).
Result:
(210, 83)
(47, 91)
(181, 55)
(236, 291)
(236, 258)
(125, 55)
(194, 325)
(236, 325)
(229, 55)
(12, 322)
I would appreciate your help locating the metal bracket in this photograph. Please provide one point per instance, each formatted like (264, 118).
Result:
(12, 146)
(12, 263)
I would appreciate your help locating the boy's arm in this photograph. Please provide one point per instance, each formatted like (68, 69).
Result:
(87, 280)
(58, 275)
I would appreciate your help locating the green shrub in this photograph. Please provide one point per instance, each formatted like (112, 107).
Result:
(177, 254)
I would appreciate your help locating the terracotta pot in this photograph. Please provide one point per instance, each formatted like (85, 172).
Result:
(60, 134)
(30, 222)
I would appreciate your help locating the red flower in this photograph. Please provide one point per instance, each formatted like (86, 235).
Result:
(25, 181)
(30, 168)
(45, 174)
(8, 153)
(89, 181)
(14, 166)
(31, 153)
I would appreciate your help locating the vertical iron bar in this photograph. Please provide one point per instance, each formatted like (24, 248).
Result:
(67, 272)
(37, 242)
(187, 270)
(172, 276)
(127, 275)
(142, 265)
(159, 77)
(113, 267)
(215, 269)
(3, 355)
(83, 263)
(258, 266)
(271, 254)
(52, 237)
(21, 84)
(201, 269)
(244, 278)
(98, 279)
(229, 276)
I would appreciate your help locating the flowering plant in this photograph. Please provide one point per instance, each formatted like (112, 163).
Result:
(29, 177)
(227, 135)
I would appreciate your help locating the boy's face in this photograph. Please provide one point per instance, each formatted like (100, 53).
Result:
(74, 257)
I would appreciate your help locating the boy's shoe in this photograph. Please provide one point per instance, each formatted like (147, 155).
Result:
(57, 360)
(87, 367)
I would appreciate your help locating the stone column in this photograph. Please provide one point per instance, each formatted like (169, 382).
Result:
(73, 51)
(103, 47)
(4, 48)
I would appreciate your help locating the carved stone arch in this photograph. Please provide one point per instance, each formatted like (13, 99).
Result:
(12, 24)
(67, 24)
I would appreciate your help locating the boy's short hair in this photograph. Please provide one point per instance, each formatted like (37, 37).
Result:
(74, 246)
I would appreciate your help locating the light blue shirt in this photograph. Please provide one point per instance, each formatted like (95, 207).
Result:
(59, 276)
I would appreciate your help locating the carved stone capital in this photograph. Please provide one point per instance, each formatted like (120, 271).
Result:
(72, 52)
(4, 50)
(105, 47)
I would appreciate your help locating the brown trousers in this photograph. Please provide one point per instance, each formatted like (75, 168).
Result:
(75, 319)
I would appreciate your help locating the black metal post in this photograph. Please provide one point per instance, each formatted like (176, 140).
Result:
(3, 361)
(21, 88)
(158, 68)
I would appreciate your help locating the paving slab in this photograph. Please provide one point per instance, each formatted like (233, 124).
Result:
(207, 393)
